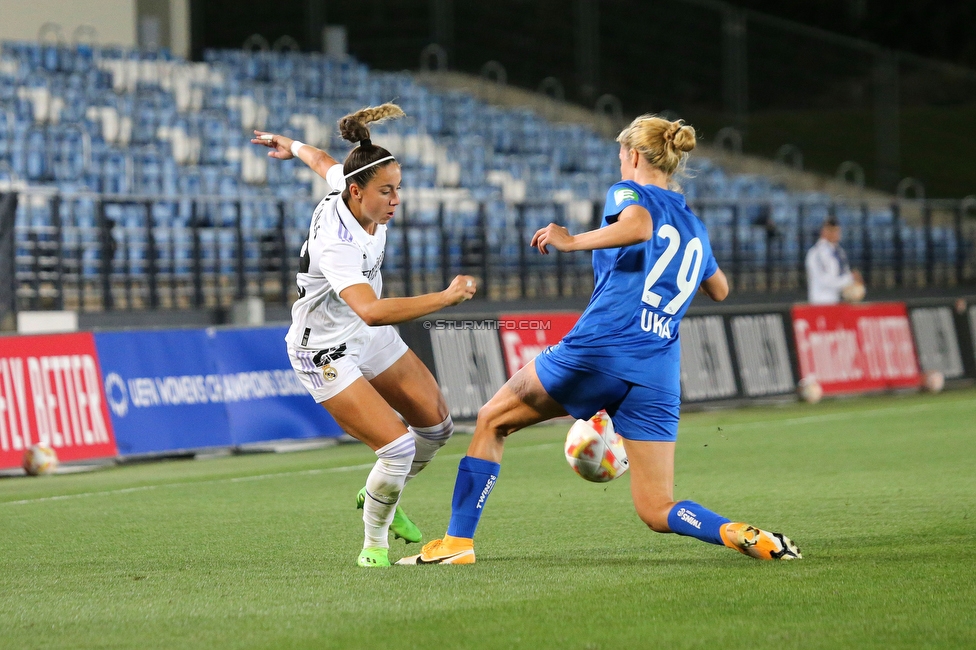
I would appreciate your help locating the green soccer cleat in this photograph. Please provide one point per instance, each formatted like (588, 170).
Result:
(373, 557)
(405, 529)
(401, 526)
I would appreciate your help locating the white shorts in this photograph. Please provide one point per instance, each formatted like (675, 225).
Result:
(367, 355)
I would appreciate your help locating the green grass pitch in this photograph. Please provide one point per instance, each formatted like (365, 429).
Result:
(259, 551)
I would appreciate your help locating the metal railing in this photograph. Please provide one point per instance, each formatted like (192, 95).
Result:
(102, 252)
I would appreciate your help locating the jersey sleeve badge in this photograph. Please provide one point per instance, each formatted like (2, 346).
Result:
(622, 195)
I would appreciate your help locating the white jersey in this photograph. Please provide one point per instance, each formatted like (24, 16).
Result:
(337, 254)
(827, 273)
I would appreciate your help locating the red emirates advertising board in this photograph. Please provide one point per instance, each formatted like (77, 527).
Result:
(856, 348)
(526, 335)
(51, 393)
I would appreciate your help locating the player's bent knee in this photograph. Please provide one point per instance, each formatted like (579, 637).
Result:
(488, 414)
(395, 458)
(439, 433)
(492, 416)
(443, 412)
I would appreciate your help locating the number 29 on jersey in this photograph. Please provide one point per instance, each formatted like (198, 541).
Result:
(687, 278)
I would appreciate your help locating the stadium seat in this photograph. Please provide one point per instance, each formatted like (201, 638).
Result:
(145, 125)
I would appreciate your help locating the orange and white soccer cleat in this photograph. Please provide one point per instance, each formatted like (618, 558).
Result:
(450, 550)
(759, 544)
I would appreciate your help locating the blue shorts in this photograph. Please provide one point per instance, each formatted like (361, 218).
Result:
(638, 412)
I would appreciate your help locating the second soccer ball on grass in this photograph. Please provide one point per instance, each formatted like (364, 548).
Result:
(39, 460)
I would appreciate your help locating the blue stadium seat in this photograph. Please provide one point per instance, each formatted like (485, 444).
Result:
(78, 154)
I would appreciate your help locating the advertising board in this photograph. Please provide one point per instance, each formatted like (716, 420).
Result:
(855, 348)
(51, 394)
(174, 390)
(524, 336)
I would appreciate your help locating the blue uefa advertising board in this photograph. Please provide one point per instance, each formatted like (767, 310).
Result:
(191, 389)
(270, 401)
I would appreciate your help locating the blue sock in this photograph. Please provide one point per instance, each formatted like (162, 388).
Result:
(693, 520)
(475, 479)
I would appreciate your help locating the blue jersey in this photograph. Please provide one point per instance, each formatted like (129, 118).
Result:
(630, 328)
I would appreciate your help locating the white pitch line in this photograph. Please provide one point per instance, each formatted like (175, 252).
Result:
(761, 424)
(829, 417)
(145, 488)
(236, 479)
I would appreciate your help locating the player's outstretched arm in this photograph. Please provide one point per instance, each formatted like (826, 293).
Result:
(280, 146)
(633, 226)
(389, 311)
(716, 287)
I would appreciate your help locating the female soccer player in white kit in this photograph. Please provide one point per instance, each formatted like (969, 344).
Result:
(341, 342)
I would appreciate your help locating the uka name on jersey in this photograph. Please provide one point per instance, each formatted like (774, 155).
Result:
(656, 324)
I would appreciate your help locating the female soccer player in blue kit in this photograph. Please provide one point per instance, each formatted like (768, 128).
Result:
(650, 255)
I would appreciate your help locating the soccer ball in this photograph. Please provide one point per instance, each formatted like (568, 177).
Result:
(809, 390)
(594, 450)
(39, 460)
(853, 292)
(933, 381)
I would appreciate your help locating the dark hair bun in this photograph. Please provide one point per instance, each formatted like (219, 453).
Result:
(354, 128)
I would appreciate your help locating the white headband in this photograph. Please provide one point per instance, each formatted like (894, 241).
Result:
(350, 174)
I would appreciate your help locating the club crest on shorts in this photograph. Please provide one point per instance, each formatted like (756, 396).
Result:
(329, 373)
(323, 359)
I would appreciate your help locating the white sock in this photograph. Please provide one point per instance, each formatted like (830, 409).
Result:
(383, 487)
(429, 440)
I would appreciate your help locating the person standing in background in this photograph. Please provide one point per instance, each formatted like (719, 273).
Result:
(829, 275)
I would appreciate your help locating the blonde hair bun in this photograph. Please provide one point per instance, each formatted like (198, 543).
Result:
(662, 143)
(684, 138)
